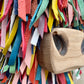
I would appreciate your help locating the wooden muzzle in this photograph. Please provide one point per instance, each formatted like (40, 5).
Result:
(62, 50)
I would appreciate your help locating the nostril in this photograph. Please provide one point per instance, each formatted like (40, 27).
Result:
(82, 47)
(60, 44)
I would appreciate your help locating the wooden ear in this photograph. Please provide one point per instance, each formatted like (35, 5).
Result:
(61, 50)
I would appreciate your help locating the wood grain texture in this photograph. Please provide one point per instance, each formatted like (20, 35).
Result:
(50, 58)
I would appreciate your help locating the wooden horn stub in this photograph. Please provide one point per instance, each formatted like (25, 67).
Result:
(62, 50)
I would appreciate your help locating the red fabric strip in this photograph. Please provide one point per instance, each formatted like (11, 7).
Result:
(28, 6)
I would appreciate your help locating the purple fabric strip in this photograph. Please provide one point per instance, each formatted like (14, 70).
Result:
(41, 25)
(8, 55)
(20, 52)
(50, 78)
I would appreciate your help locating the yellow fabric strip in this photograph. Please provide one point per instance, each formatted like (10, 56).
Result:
(55, 9)
(46, 74)
(32, 60)
(27, 71)
(70, 78)
(1, 48)
(50, 19)
(7, 35)
(2, 10)
(11, 37)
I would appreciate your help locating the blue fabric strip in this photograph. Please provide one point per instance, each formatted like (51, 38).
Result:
(40, 81)
(16, 7)
(16, 46)
(26, 17)
(38, 74)
(18, 63)
(67, 78)
(55, 80)
(32, 48)
(38, 44)
(33, 18)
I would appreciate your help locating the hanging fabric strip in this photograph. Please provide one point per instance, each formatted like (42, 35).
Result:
(22, 9)
(45, 26)
(41, 10)
(50, 19)
(16, 78)
(16, 46)
(32, 74)
(43, 77)
(16, 7)
(3, 32)
(55, 9)
(12, 68)
(81, 6)
(53, 78)
(70, 78)
(11, 25)
(34, 16)
(64, 3)
(7, 10)
(24, 81)
(23, 38)
(50, 78)
(2, 76)
(41, 25)
(28, 55)
(22, 67)
(61, 14)
(67, 78)
(46, 74)
(71, 2)
(2, 10)
(70, 13)
(18, 64)
(35, 37)
(11, 37)
(62, 78)
(32, 60)
(3, 26)
(28, 6)
(38, 73)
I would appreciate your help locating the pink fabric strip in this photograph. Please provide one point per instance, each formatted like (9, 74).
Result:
(3, 26)
(28, 54)
(45, 26)
(16, 78)
(2, 76)
(23, 39)
(24, 81)
(46, 11)
(3, 32)
(29, 82)
(70, 13)
(43, 76)
(22, 67)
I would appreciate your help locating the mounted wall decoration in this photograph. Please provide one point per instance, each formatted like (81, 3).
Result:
(62, 50)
